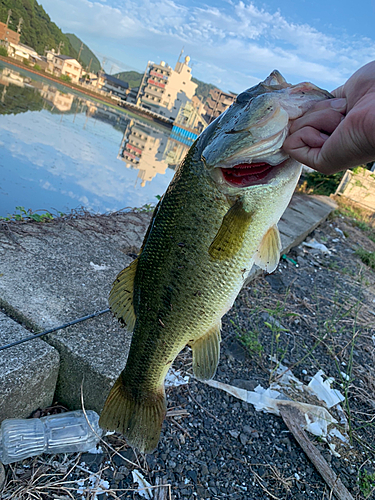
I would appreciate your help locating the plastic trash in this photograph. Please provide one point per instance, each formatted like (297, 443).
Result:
(63, 433)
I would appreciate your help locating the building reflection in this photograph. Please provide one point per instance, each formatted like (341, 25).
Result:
(150, 149)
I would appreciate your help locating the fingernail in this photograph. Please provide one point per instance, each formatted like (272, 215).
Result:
(324, 136)
(338, 103)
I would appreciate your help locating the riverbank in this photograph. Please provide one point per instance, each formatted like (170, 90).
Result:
(94, 95)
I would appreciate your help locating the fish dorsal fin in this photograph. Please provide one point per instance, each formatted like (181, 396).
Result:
(231, 234)
(121, 296)
(268, 253)
(206, 353)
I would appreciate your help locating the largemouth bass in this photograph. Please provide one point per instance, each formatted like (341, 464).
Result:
(217, 218)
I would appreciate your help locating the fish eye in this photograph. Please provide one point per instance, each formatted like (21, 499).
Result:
(244, 97)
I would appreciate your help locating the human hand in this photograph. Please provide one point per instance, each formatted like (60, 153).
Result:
(338, 133)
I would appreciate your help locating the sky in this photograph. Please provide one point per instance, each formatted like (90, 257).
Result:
(232, 44)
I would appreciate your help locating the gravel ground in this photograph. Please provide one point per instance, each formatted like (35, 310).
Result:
(316, 315)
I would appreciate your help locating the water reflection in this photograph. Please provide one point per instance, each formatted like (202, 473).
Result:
(60, 150)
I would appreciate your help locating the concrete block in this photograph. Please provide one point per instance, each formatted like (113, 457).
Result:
(28, 372)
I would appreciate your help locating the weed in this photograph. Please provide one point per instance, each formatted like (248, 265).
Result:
(366, 482)
(249, 339)
(25, 215)
(366, 257)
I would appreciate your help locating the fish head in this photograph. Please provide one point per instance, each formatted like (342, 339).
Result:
(243, 147)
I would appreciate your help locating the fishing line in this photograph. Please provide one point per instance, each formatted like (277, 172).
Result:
(37, 335)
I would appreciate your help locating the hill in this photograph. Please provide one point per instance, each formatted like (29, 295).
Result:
(38, 31)
(133, 78)
(86, 55)
(203, 89)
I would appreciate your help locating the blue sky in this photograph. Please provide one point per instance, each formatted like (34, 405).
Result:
(232, 44)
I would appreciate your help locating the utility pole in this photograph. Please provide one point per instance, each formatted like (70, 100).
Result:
(88, 69)
(61, 44)
(80, 50)
(19, 25)
(8, 19)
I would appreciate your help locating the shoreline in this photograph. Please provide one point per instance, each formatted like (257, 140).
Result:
(124, 105)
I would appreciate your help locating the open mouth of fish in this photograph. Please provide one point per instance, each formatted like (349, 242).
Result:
(249, 174)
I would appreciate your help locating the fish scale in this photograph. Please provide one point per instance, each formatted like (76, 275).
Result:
(205, 235)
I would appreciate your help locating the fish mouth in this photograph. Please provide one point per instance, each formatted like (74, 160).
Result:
(249, 174)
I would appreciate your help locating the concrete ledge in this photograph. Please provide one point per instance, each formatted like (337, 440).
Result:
(28, 372)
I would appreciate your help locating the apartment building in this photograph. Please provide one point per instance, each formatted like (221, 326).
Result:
(164, 90)
(217, 102)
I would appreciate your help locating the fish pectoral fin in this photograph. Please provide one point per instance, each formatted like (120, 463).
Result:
(138, 419)
(268, 253)
(231, 234)
(206, 353)
(121, 296)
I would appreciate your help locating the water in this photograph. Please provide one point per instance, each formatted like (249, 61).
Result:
(60, 150)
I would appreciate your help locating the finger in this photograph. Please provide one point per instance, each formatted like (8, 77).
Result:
(305, 145)
(339, 92)
(325, 121)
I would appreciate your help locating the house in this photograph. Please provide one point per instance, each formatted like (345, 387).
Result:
(115, 86)
(64, 65)
(22, 52)
(9, 35)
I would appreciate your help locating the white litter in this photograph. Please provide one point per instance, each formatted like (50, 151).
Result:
(95, 487)
(97, 267)
(323, 391)
(269, 400)
(143, 485)
(338, 230)
(316, 246)
(174, 378)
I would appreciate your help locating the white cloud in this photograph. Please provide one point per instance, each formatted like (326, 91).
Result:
(237, 46)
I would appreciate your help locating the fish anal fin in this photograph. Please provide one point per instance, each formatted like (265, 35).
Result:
(230, 237)
(268, 254)
(121, 296)
(139, 419)
(206, 353)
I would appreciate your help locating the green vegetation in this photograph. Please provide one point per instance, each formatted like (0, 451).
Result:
(203, 89)
(25, 215)
(318, 183)
(65, 78)
(366, 482)
(133, 78)
(3, 52)
(249, 339)
(366, 257)
(38, 31)
(86, 55)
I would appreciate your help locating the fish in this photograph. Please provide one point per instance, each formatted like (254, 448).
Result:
(216, 219)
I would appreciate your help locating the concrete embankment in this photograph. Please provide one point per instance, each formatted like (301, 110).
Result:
(55, 272)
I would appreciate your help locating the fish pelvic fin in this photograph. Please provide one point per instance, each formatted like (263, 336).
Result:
(268, 253)
(139, 419)
(232, 232)
(121, 296)
(206, 353)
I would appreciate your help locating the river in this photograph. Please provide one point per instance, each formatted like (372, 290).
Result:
(61, 151)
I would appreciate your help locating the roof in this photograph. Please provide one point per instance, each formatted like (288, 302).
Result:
(117, 81)
(60, 56)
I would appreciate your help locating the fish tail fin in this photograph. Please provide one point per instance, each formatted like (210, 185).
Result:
(138, 419)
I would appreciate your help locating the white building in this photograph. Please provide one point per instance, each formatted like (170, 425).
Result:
(164, 90)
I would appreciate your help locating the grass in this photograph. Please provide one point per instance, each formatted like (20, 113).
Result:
(366, 482)
(366, 257)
